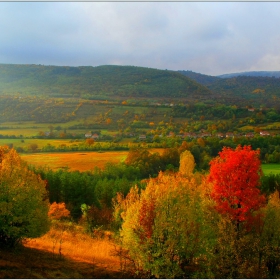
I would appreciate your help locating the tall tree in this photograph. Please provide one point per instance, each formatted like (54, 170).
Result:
(23, 200)
(235, 175)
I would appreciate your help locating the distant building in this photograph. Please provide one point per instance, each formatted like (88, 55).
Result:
(264, 133)
(220, 135)
(88, 135)
(95, 136)
(229, 135)
(142, 137)
(249, 134)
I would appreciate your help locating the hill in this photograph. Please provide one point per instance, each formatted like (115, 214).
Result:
(101, 82)
(275, 74)
(199, 78)
(241, 88)
(260, 90)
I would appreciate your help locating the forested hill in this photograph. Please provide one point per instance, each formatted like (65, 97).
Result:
(102, 82)
(200, 78)
(258, 89)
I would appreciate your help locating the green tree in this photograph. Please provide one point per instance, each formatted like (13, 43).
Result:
(23, 200)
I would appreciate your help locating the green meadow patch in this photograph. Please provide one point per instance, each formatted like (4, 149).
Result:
(271, 168)
(25, 143)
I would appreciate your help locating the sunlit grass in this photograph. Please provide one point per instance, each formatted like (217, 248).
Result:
(82, 161)
(75, 161)
(77, 245)
(269, 168)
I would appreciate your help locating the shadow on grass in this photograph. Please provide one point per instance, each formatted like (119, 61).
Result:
(27, 263)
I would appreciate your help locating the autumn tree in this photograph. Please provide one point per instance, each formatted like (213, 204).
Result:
(23, 200)
(235, 175)
(58, 211)
(89, 141)
(163, 227)
(187, 163)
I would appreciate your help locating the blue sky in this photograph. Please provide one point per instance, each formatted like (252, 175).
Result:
(206, 37)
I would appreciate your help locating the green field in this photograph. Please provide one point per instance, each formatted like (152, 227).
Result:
(273, 168)
(24, 143)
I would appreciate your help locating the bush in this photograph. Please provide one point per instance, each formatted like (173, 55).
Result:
(23, 200)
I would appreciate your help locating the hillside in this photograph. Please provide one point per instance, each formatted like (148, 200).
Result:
(260, 90)
(199, 78)
(275, 74)
(101, 82)
(254, 87)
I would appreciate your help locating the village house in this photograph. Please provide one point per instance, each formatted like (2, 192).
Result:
(95, 136)
(229, 135)
(88, 135)
(250, 135)
(142, 137)
(264, 133)
(220, 135)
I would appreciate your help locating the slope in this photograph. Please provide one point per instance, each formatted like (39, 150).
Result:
(101, 82)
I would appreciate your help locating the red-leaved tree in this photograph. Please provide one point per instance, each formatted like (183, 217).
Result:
(235, 175)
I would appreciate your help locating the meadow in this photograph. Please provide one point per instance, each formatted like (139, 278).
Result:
(81, 161)
(269, 168)
(75, 161)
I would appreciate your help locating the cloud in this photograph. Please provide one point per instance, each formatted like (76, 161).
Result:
(206, 37)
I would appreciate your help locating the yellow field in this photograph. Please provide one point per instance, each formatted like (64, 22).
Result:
(81, 161)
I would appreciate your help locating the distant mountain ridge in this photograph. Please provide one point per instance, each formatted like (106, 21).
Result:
(275, 74)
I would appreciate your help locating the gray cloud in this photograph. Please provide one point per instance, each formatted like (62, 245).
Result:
(207, 37)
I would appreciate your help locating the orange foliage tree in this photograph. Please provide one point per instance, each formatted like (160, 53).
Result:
(58, 211)
(235, 175)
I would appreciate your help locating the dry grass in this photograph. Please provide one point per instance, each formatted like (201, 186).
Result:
(82, 161)
(78, 246)
(80, 257)
(75, 161)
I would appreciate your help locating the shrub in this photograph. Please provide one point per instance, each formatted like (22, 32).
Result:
(23, 200)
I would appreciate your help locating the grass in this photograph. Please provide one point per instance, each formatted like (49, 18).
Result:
(24, 143)
(82, 161)
(75, 161)
(273, 168)
(81, 257)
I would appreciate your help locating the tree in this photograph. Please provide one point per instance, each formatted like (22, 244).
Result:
(89, 141)
(164, 227)
(58, 211)
(23, 200)
(235, 175)
(187, 163)
(33, 147)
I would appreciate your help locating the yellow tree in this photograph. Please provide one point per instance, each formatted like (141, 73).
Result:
(23, 200)
(187, 163)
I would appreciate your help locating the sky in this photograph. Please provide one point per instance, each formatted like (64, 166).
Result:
(210, 38)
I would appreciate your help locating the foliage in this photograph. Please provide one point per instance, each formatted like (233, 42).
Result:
(164, 226)
(270, 183)
(187, 163)
(236, 176)
(23, 200)
(58, 211)
(101, 81)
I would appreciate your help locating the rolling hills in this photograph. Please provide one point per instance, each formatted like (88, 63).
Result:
(101, 82)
